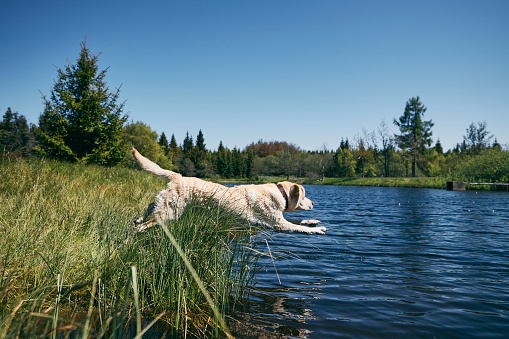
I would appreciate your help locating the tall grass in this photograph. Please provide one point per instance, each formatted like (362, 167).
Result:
(69, 263)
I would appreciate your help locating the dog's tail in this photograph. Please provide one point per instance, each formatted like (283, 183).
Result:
(151, 166)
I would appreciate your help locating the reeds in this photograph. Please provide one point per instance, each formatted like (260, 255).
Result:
(69, 265)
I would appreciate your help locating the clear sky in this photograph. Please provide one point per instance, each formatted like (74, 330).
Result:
(305, 72)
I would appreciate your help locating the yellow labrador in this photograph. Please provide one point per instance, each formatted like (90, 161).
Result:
(261, 205)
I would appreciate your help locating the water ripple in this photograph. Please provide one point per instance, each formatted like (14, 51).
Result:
(394, 263)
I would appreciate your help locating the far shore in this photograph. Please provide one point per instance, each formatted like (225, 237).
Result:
(418, 182)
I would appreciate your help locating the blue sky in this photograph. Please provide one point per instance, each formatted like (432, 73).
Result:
(305, 72)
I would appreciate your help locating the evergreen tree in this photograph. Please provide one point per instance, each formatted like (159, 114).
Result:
(201, 157)
(438, 147)
(223, 165)
(238, 163)
(163, 142)
(173, 143)
(344, 144)
(15, 135)
(82, 120)
(187, 145)
(496, 145)
(249, 163)
(174, 151)
(200, 142)
(415, 133)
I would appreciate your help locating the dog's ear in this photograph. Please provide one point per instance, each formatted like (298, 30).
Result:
(294, 197)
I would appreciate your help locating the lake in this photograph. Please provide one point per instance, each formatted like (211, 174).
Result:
(395, 263)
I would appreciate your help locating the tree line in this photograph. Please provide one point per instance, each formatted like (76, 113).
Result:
(83, 121)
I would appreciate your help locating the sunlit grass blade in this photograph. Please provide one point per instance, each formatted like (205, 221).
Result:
(198, 281)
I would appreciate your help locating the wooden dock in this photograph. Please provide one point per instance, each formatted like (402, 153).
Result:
(462, 185)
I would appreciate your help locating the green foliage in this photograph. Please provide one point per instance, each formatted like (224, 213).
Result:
(434, 163)
(15, 136)
(344, 163)
(163, 142)
(365, 164)
(421, 182)
(144, 139)
(82, 120)
(491, 165)
(415, 134)
(194, 159)
(477, 139)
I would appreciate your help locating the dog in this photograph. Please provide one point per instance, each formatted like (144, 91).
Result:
(261, 205)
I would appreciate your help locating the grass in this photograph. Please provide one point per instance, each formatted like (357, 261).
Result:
(69, 265)
(419, 182)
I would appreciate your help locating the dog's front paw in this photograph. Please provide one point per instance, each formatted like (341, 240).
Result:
(310, 222)
(320, 230)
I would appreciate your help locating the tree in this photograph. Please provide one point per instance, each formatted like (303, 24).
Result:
(415, 134)
(344, 144)
(344, 163)
(365, 155)
(286, 157)
(201, 157)
(142, 137)
(223, 161)
(438, 147)
(200, 142)
(82, 120)
(174, 151)
(387, 150)
(15, 135)
(325, 161)
(478, 138)
(163, 142)
(491, 165)
(187, 145)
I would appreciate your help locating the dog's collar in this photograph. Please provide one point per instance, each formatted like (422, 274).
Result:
(282, 190)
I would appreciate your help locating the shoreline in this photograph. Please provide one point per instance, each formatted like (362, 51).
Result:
(402, 182)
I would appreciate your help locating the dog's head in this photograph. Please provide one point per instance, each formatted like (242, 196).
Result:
(296, 197)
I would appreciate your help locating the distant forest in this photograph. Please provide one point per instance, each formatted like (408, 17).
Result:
(83, 121)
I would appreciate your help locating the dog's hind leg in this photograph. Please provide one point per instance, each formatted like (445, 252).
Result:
(148, 212)
(146, 225)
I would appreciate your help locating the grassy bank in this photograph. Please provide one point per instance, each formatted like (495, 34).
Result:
(68, 262)
(420, 182)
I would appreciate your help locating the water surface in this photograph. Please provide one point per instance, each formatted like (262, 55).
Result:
(395, 262)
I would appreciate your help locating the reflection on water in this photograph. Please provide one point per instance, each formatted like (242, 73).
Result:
(394, 263)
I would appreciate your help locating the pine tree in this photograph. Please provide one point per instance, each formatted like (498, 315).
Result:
(82, 120)
(174, 151)
(438, 147)
(187, 145)
(223, 165)
(415, 133)
(173, 143)
(163, 142)
(15, 135)
(200, 142)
